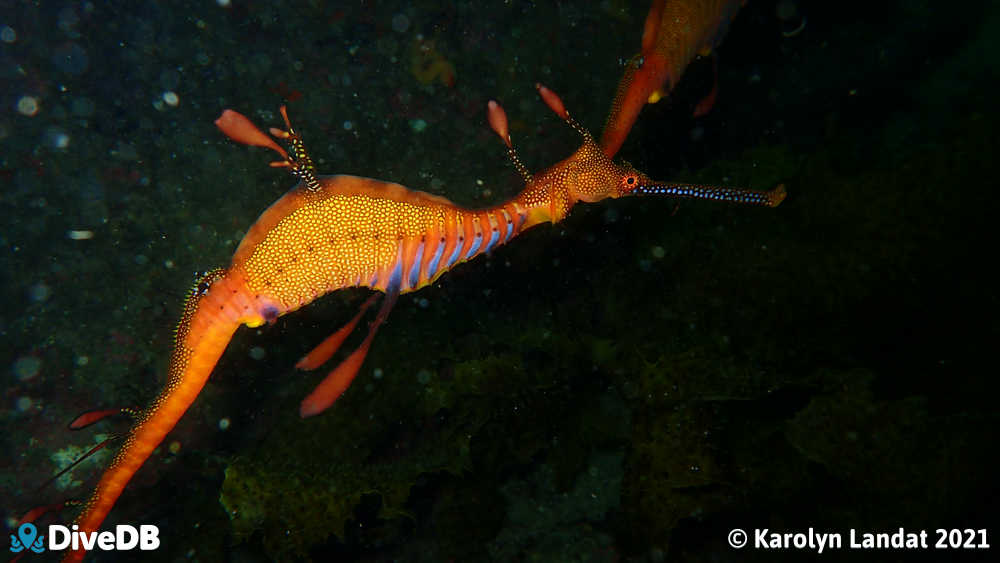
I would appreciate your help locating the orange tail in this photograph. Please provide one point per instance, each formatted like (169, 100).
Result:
(667, 49)
(210, 318)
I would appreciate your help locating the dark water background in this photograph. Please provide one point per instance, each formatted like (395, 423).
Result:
(630, 384)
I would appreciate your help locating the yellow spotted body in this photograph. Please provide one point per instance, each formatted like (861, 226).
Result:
(350, 231)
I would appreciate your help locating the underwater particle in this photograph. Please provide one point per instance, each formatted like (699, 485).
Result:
(28, 105)
(168, 264)
(174, 447)
(224, 423)
(258, 353)
(610, 215)
(423, 303)
(171, 98)
(79, 234)
(222, 3)
(348, 125)
(7, 34)
(400, 23)
(70, 58)
(141, 259)
(67, 18)
(424, 376)
(39, 292)
(658, 252)
(418, 125)
(56, 138)
(27, 367)
(202, 58)
(24, 404)
(82, 360)
(377, 373)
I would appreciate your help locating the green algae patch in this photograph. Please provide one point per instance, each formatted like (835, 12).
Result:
(299, 488)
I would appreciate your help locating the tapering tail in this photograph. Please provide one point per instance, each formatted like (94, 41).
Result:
(206, 327)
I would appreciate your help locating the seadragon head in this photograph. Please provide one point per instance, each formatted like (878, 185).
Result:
(589, 175)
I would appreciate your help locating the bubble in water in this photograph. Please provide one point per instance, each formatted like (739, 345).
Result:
(400, 23)
(424, 376)
(39, 292)
(56, 138)
(27, 367)
(28, 105)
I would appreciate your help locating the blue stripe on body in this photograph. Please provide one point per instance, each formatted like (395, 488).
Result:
(432, 266)
(396, 277)
(454, 254)
(493, 240)
(475, 246)
(415, 268)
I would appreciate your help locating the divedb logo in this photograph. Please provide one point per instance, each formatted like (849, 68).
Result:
(124, 538)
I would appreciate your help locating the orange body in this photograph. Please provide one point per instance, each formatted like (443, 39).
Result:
(675, 31)
(333, 232)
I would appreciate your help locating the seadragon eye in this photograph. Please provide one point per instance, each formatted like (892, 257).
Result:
(629, 183)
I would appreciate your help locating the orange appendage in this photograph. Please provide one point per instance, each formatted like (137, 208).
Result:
(552, 100)
(334, 385)
(237, 127)
(320, 354)
(92, 417)
(498, 121)
(338, 380)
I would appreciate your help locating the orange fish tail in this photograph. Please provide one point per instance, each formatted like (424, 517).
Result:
(674, 33)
